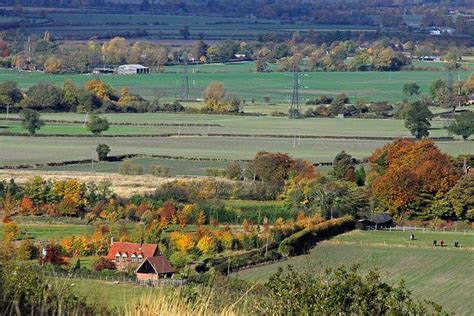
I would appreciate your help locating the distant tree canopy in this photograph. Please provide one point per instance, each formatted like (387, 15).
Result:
(97, 124)
(463, 125)
(31, 121)
(418, 119)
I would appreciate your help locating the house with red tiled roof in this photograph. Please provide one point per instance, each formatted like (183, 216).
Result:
(469, 171)
(127, 254)
(154, 268)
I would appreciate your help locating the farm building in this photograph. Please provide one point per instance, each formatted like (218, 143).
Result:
(125, 254)
(133, 69)
(154, 268)
(376, 221)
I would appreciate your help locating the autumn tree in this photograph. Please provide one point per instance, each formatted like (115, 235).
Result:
(218, 100)
(99, 88)
(31, 121)
(53, 65)
(115, 51)
(344, 166)
(469, 85)
(418, 119)
(272, 167)
(407, 175)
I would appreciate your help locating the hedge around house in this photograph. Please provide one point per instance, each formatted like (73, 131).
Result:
(300, 242)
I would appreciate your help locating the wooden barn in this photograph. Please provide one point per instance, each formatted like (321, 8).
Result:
(154, 268)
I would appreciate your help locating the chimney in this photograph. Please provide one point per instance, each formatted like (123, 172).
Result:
(111, 241)
(141, 243)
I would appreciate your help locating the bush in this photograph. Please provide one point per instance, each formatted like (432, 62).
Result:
(160, 171)
(305, 239)
(102, 151)
(130, 168)
(103, 264)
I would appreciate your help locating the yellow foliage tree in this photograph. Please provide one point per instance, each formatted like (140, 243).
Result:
(53, 65)
(125, 97)
(10, 230)
(207, 245)
(99, 88)
(184, 243)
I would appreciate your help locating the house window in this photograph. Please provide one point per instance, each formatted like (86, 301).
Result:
(133, 258)
(140, 258)
(124, 257)
(117, 257)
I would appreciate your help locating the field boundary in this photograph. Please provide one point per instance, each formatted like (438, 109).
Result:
(131, 156)
(120, 123)
(387, 138)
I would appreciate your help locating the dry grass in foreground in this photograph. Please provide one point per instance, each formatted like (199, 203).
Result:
(122, 185)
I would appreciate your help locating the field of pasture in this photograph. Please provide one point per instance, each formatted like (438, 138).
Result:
(214, 138)
(440, 274)
(239, 79)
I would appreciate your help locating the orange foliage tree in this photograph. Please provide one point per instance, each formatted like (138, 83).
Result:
(407, 176)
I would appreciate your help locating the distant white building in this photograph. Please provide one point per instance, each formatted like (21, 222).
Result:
(133, 69)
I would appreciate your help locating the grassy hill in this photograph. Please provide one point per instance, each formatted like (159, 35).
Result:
(444, 275)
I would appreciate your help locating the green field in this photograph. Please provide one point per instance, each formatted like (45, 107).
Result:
(30, 150)
(46, 231)
(163, 27)
(107, 293)
(444, 275)
(227, 124)
(372, 86)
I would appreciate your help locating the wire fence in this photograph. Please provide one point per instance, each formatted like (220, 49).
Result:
(429, 229)
(117, 279)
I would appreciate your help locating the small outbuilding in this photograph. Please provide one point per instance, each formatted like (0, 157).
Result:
(376, 221)
(154, 268)
(133, 69)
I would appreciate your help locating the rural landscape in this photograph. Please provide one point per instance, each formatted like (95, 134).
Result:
(236, 158)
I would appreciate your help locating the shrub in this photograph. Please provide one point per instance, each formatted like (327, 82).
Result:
(160, 171)
(130, 168)
(102, 151)
(303, 240)
(102, 264)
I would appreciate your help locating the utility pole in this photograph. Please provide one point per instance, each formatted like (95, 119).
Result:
(185, 79)
(294, 111)
(450, 92)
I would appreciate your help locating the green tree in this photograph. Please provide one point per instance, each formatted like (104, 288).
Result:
(31, 120)
(418, 119)
(340, 291)
(97, 124)
(10, 94)
(411, 89)
(47, 96)
(463, 125)
(102, 151)
(342, 166)
(360, 176)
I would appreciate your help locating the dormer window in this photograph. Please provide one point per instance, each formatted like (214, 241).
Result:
(117, 257)
(124, 257)
(133, 258)
(140, 258)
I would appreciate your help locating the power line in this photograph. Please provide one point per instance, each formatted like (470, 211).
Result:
(294, 111)
(185, 79)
